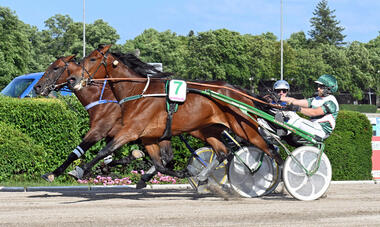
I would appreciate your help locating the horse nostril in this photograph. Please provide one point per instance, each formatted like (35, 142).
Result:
(71, 80)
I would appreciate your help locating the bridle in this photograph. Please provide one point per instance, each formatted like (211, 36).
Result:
(54, 86)
(89, 79)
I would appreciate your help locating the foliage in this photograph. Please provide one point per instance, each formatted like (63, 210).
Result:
(165, 47)
(362, 108)
(14, 46)
(240, 59)
(22, 159)
(349, 147)
(46, 121)
(325, 26)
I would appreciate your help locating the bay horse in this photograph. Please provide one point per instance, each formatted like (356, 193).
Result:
(104, 116)
(100, 103)
(144, 114)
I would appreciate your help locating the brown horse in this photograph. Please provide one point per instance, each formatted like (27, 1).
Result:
(144, 114)
(103, 109)
(104, 119)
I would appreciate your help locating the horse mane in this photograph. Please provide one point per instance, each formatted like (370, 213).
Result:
(140, 67)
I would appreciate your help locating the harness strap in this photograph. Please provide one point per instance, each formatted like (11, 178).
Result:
(134, 97)
(89, 106)
(146, 85)
(171, 108)
(100, 101)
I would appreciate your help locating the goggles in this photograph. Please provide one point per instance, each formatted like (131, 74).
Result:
(281, 90)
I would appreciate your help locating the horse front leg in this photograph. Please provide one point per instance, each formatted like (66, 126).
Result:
(118, 141)
(89, 140)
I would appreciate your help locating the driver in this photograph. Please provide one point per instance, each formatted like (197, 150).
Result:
(322, 109)
(281, 87)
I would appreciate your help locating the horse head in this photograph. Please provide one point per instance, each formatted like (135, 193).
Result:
(91, 67)
(52, 78)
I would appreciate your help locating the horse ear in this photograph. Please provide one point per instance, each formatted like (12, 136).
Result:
(69, 58)
(105, 48)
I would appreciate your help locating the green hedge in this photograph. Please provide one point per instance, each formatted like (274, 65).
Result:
(362, 108)
(48, 122)
(349, 147)
(21, 158)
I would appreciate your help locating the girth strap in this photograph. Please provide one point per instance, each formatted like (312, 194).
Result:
(171, 108)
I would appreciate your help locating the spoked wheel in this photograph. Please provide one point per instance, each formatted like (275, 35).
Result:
(296, 181)
(196, 165)
(261, 182)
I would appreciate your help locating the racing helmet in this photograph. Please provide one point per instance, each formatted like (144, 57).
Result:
(281, 84)
(329, 82)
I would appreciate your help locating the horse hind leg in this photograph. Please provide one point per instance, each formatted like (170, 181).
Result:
(160, 164)
(212, 135)
(135, 154)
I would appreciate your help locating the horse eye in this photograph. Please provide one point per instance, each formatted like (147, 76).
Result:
(93, 59)
(55, 68)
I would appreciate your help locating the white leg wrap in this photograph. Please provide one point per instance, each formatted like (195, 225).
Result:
(78, 151)
(108, 159)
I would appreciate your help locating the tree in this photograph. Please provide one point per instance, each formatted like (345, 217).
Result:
(220, 55)
(14, 46)
(360, 68)
(65, 37)
(373, 47)
(325, 26)
(164, 47)
(298, 40)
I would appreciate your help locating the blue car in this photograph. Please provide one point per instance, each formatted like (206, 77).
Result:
(22, 86)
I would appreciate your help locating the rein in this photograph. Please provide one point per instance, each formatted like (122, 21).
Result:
(55, 86)
(189, 82)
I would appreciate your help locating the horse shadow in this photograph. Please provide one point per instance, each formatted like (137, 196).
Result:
(130, 194)
(143, 194)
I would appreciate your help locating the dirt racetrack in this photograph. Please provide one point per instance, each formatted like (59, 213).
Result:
(345, 205)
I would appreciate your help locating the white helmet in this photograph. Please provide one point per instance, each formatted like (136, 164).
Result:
(281, 84)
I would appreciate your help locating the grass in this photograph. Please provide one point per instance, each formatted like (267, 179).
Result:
(38, 183)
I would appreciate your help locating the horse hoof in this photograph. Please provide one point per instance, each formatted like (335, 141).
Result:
(137, 154)
(49, 177)
(77, 173)
(203, 188)
(141, 184)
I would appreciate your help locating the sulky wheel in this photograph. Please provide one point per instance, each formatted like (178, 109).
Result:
(256, 184)
(296, 181)
(207, 155)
